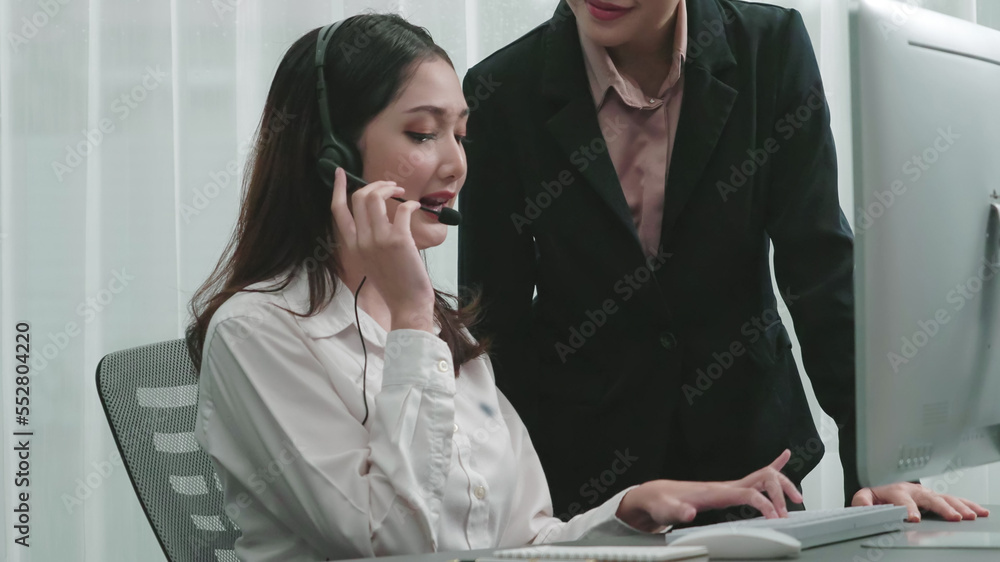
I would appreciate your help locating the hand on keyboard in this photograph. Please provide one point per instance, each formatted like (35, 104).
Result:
(916, 497)
(655, 504)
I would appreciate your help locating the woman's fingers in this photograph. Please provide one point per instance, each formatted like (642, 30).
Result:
(338, 206)
(912, 511)
(979, 510)
(960, 506)
(375, 207)
(753, 479)
(404, 213)
(776, 495)
(864, 496)
(370, 218)
(937, 504)
(771, 480)
(779, 463)
(789, 488)
(757, 499)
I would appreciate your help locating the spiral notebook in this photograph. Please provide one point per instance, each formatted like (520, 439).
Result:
(605, 553)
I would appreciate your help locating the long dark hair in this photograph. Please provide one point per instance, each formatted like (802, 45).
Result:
(285, 218)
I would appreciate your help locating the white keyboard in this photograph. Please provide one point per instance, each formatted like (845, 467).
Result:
(821, 526)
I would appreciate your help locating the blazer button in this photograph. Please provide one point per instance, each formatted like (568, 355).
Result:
(667, 340)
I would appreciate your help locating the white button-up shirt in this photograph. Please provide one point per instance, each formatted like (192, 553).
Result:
(441, 463)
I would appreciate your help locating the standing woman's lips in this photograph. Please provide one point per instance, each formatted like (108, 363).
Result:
(604, 11)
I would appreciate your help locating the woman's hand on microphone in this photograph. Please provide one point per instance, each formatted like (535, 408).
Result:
(386, 249)
(652, 506)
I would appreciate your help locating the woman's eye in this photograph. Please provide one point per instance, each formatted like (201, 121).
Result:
(420, 137)
(463, 140)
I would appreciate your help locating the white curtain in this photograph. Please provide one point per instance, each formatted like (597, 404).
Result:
(123, 131)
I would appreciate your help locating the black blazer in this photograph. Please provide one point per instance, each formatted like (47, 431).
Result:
(627, 369)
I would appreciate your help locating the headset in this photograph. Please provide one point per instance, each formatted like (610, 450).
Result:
(333, 153)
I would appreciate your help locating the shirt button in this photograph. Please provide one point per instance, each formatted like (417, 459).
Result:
(443, 366)
(480, 492)
(455, 429)
(667, 340)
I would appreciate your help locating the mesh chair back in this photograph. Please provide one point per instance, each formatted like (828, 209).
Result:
(150, 396)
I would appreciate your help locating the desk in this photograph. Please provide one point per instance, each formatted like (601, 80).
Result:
(849, 551)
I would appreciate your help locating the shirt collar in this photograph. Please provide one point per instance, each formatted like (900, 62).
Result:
(335, 317)
(603, 76)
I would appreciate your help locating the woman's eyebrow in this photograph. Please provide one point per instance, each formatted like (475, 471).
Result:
(436, 111)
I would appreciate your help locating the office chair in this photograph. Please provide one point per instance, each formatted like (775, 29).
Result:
(150, 396)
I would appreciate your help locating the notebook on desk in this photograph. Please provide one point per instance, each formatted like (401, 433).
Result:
(604, 553)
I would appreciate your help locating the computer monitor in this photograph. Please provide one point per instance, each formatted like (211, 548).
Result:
(926, 121)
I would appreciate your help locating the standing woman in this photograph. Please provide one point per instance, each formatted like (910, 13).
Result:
(345, 406)
(634, 162)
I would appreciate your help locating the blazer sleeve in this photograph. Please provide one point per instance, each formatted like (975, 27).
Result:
(496, 251)
(347, 491)
(813, 242)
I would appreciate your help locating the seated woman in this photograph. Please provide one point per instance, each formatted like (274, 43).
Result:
(344, 425)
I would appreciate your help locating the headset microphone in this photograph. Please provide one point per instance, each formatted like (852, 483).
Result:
(446, 215)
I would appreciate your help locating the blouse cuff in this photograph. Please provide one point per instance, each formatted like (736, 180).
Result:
(418, 358)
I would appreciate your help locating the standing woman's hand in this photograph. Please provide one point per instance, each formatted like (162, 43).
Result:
(388, 254)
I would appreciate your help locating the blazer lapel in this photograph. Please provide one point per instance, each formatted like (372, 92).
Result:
(574, 123)
(704, 109)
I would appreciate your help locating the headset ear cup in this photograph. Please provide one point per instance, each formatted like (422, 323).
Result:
(327, 166)
(346, 154)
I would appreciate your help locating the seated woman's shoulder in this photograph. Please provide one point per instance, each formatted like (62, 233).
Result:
(257, 303)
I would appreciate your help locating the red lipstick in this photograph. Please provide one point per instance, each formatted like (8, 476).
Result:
(604, 11)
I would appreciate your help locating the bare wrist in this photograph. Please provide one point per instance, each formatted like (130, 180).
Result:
(413, 320)
(630, 513)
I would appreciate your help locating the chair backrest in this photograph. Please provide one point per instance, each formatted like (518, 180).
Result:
(150, 396)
